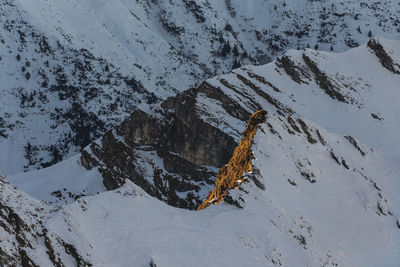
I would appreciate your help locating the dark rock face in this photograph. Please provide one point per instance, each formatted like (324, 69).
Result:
(190, 136)
(295, 72)
(323, 81)
(383, 56)
(168, 153)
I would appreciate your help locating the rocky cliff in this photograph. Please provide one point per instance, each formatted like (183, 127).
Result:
(232, 174)
(172, 154)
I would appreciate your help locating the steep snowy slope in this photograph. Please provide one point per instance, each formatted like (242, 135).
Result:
(334, 201)
(353, 93)
(73, 69)
(61, 183)
(312, 199)
(174, 153)
(23, 238)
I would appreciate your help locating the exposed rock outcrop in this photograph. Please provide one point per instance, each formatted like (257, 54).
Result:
(323, 81)
(13, 226)
(294, 71)
(231, 175)
(169, 153)
(383, 56)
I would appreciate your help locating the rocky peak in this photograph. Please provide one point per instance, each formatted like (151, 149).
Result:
(231, 175)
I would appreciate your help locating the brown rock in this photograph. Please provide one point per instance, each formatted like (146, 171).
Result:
(230, 175)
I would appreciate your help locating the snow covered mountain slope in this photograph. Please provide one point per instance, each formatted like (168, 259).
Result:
(73, 69)
(24, 240)
(312, 199)
(313, 180)
(200, 127)
(61, 183)
(351, 93)
(174, 152)
(322, 191)
(335, 202)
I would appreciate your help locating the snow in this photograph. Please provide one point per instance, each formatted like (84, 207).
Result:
(337, 215)
(148, 229)
(340, 206)
(212, 112)
(346, 217)
(360, 77)
(67, 177)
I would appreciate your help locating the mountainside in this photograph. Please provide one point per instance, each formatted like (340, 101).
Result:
(174, 152)
(73, 70)
(313, 198)
(314, 181)
(191, 133)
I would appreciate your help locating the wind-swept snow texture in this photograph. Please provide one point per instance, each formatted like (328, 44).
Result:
(73, 69)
